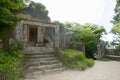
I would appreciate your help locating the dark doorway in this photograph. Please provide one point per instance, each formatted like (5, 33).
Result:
(33, 34)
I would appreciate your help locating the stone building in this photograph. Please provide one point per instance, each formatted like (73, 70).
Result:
(40, 39)
(37, 33)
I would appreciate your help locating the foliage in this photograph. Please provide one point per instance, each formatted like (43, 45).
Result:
(59, 23)
(71, 24)
(25, 16)
(116, 28)
(116, 31)
(34, 11)
(117, 12)
(7, 9)
(118, 46)
(7, 17)
(40, 7)
(12, 4)
(90, 35)
(77, 59)
(10, 59)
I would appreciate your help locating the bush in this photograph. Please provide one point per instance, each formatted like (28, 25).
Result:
(77, 59)
(89, 62)
(118, 46)
(10, 59)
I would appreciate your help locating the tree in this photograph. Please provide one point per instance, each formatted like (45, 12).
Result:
(116, 31)
(34, 11)
(7, 17)
(40, 7)
(59, 23)
(90, 35)
(116, 28)
(117, 12)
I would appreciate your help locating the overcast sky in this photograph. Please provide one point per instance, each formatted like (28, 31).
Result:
(81, 11)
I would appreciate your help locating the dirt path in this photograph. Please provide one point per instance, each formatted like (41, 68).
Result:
(109, 70)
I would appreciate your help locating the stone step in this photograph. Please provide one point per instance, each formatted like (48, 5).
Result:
(40, 59)
(38, 55)
(41, 63)
(45, 71)
(46, 62)
(43, 67)
(35, 47)
(33, 63)
(37, 52)
(38, 49)
(54, 70)
(28, 74)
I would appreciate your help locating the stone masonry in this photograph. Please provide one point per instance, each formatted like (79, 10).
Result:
(31, 32)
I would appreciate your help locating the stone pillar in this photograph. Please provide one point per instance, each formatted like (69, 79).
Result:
(40, 35)
(101, 49)
(83, 48)
(25, 33)
(19, 32)
(57, 37)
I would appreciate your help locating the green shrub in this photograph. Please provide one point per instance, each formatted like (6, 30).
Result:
(118, 46)
(10, 59)
(80, 56)
(79, 64)
(89, 62)
(77, 59)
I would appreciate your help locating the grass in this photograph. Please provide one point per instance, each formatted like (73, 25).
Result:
(77, 59)
(104, 59)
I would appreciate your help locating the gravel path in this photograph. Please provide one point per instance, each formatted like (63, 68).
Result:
(108, 70)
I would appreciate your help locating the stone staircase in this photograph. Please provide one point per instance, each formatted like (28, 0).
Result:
(41, 60)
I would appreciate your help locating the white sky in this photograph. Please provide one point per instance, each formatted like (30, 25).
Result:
(81, 11)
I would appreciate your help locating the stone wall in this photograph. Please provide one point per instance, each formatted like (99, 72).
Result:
(112, 52)
(51, 34)
(62, 38)
(66, 40)
(78, 46)
(101, 49)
